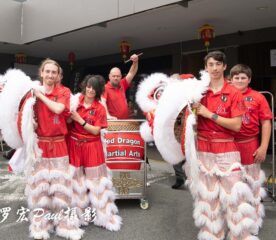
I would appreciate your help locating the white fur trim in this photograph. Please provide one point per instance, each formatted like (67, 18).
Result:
(42, 174)
(204, 235)
(56, 174)
(74, 102)
(215, 226)
(74, 234)
(60, 203)
(17, 162)
(239, 191)
(252, 238)
(146, 87)
(44, 202)
(244, 209)
(115, 225)
(204, 207)
(29, 136)
(42, 187)
(145, 131)
(42, 234)
(17, 85)
(191, 152)
(61, 189)
(203, 191)
(103, 132)
(175, 97)
(255, 183)
(245, 224)
(2, 79)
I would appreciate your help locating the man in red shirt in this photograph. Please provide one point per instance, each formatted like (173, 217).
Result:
(114, 98)
(257, 116)
(49, 185)
(220, 194)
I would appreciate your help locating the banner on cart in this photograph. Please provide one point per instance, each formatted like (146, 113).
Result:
(124, 147)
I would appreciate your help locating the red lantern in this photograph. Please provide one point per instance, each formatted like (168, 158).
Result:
(20, 58)
(207, 33)
(71, 59)
(125, 49)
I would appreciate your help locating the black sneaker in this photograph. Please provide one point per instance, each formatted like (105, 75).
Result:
(178, 184)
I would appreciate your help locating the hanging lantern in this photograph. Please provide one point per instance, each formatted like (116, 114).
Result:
(125, 49)
(71, 59)
(20, 58)
(206, 33)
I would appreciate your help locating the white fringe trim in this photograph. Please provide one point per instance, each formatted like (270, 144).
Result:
(204, 235)
(33, 152)
(146, 87)
(115, 225)
(61, 189)
(42, 234)
(145, 131)
(215, 226)
(74, 234)
(191, 152)
(239, 191)
(176, 96)
(44, 202)
(74, 102)
(204, 207)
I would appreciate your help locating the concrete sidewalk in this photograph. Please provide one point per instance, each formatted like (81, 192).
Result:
(169, 215)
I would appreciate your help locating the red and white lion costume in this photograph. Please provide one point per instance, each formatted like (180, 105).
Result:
(215, 205)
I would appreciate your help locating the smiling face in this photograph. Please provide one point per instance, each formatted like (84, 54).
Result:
(240, 81)
(215, 69)
(90, 92)
(49, 74)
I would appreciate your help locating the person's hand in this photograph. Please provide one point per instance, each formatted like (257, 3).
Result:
(76, 117)
(111, 117)
(201, 110)
(134, 58)
(37, 93)
(259, 155)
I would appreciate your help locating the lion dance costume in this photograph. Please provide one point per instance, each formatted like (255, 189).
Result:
(213, 168)
(39, 137)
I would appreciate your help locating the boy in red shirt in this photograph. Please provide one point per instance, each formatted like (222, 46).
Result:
(221, 196)
(257, 117)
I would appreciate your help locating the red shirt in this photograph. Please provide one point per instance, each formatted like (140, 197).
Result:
(116, 99)
(51, 124)
(95, 115)
(256, 109)
(226, 103)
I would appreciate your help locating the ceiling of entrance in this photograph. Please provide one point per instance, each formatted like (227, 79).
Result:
(164, 25)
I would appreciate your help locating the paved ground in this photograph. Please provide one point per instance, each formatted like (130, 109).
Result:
(168, 217)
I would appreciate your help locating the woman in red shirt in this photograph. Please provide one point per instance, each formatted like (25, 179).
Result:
(92, 182)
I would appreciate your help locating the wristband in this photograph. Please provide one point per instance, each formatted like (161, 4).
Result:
(214, 117)
(84, 124)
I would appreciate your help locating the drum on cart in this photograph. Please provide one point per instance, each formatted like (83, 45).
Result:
(126, 158)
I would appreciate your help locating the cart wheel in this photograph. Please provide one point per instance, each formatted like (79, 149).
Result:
(144, 204)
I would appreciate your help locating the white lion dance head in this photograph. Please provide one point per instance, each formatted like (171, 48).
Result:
(148, 94)
(171, 111)
(16, 115)
(163, 112)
